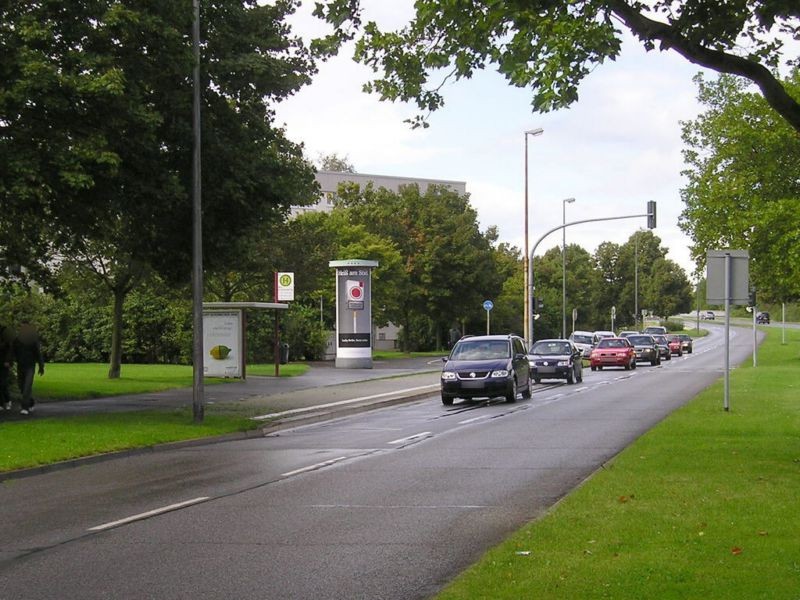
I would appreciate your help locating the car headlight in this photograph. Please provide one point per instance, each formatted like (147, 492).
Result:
(563, 363)
(500, 373)
(448, 375)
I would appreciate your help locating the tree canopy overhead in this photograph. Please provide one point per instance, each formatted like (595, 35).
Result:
(551, 45)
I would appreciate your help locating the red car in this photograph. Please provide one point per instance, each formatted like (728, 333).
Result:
(613, 352)
(675, 345)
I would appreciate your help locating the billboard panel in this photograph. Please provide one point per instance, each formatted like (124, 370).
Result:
(222, 343)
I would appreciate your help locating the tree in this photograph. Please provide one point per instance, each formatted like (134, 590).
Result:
(551, 45)
(743, 186)
(447, 261)
(95, 132)
(334, 162)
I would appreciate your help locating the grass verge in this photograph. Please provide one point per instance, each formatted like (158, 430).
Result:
(702, 506)
(39, 441)
(268, 370)
(395, 354)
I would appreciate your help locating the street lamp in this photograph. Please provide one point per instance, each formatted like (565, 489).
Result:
(526, 319)
(564, 266)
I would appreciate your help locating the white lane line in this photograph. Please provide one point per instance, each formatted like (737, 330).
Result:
(296, 411)
(321, 465)
(473, 419)
(148, 514)
(409, 438)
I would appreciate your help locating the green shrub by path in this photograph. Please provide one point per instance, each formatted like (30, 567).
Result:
(702, 506)
(396, 354)
(39, 441)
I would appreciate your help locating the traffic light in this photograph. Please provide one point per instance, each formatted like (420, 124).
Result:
(651, 214)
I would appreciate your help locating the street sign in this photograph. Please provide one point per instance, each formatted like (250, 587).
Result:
(284, 287)
(488, 305)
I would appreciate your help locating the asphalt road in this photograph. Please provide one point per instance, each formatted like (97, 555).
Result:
(387, 504)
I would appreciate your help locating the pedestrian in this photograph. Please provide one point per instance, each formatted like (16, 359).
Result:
(28, 353)
(6, 358)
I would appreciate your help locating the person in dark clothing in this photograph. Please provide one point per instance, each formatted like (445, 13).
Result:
(28, 354)
(6, 358)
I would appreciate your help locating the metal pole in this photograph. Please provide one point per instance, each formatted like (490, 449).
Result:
(755, 339)
(783, 323)
(487, 322)
(564, 266)
(198, 408)
(726, 399)
(636, 283)
(526, 324)
(697, 314)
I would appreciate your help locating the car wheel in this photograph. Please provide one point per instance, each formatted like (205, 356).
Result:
(526, 393)
(447, 400)
(571, 376)
(627, 367)
(669, 356)
(690, 351)
(593, 368)
(654, 362)
(599, 367)
(512, 393)
(537, 380)
(633, 364)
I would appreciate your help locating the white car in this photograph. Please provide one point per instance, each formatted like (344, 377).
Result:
(582, 340)
(599, 335)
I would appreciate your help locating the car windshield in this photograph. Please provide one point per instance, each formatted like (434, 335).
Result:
(480, 350)
(552, 348)
(660, 339)
(582, 339)
(609, 343)
(641, 340)
(685, 337)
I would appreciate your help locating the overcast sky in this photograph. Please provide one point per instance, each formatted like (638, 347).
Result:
(616, 148)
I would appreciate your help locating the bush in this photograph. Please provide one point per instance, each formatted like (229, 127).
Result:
(673, 325)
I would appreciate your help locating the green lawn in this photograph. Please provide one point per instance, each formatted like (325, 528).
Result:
(394, 354)
(73, 381)
(40, 441)
(702, 506)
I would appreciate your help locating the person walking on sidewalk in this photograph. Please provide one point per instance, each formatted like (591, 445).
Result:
(28, 353)
(6, 358)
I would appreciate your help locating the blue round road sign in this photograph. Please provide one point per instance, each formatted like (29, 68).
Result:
(488, 305)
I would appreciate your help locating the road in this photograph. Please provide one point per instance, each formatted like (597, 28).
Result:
(387, 504)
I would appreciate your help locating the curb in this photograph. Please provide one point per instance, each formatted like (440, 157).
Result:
(266, 428)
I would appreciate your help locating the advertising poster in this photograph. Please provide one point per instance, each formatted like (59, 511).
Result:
(222, 343)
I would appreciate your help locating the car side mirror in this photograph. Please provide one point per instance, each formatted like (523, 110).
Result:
(444, 359)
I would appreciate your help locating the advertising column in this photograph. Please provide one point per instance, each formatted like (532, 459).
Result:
(353, 313)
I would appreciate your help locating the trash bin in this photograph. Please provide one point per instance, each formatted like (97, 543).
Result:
(284, 354)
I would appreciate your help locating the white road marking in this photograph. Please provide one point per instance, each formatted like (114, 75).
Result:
(297, 411)
(321, 465)
(473, 419)
(409, 438)
(148, 514)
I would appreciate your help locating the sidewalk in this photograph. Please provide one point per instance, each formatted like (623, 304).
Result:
(323, 392)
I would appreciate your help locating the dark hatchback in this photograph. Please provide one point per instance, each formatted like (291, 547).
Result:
(555, 359)
(646, 348)
(486, 366)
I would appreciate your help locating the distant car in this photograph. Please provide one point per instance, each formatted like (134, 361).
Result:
(762, 318)
(655, 330)
(675, 345)
(624, 334)
(708, 315)
(599, 335)
(613, 352)
(486, 366)
(645, 348)
(555, 359)
(663, 346)
(687, 342)
(582, 340)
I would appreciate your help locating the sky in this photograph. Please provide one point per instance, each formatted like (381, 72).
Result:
(616, 148)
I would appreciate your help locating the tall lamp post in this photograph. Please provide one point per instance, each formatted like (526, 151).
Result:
(526, 319)
(198, 402)
(564, 266)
